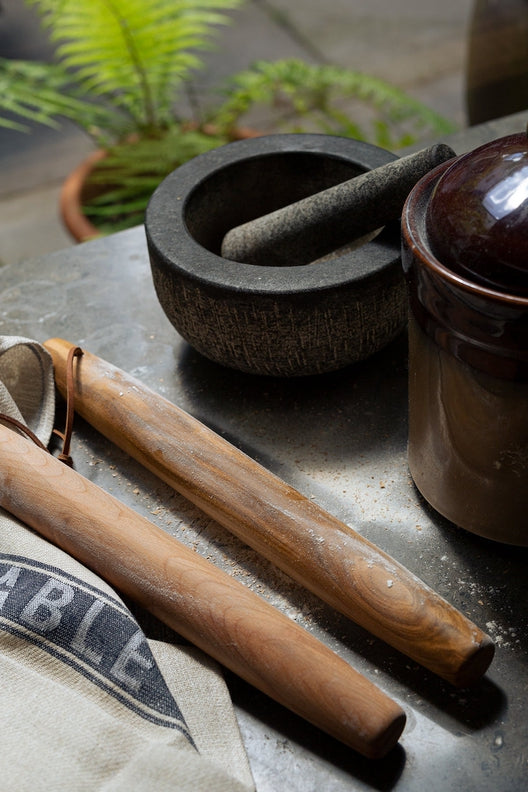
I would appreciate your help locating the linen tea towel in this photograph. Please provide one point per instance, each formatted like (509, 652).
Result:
(88, 702)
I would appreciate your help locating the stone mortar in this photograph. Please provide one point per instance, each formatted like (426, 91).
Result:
(279, 321)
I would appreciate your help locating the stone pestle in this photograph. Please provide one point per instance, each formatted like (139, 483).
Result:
(326, 221)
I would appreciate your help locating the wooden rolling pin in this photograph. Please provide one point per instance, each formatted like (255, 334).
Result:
(309, 544)
(196, 599)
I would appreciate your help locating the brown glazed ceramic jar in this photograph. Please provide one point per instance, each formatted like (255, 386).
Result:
(468, 340)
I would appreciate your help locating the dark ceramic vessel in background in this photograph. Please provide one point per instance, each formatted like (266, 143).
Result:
(280, 321)
(468, 388)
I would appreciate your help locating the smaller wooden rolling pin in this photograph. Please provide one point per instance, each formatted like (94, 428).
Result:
(196, 599)
(313, 547)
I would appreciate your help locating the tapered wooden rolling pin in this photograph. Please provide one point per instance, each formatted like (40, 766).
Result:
(199, 601)
(309, 544)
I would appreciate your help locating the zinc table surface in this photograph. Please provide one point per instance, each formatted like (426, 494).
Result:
(340, 439)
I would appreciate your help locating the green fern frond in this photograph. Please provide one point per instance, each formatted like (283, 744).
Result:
(41, 92)
(138, 52)
(318, 92)
(125, 179)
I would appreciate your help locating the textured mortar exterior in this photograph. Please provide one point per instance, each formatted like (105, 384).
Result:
(280, 321)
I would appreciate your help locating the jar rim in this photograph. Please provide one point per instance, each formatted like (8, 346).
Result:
(415, 236)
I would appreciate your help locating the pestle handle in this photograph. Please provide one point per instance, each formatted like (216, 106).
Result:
(196, 599)
(305, 541)
(321, 223)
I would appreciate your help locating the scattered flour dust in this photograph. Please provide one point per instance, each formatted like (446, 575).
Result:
(503, 637)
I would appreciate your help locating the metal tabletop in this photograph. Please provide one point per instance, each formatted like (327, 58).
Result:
(340, 439)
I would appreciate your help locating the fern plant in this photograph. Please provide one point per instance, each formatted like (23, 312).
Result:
(122, 64)
(331, 99)
(306, 97)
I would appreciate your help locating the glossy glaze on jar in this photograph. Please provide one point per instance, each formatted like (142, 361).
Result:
(468, 388)
(477, 215)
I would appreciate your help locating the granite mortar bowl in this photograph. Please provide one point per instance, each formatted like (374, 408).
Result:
(278, 321)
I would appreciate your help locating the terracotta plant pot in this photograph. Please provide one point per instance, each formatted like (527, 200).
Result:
(74, 190)
(71, 199)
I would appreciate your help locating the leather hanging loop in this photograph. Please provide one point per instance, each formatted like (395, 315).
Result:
(66, 436)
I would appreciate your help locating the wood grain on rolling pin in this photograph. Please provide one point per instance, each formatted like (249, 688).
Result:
(196, 599)
(312, 546)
